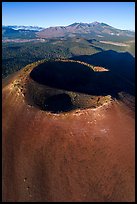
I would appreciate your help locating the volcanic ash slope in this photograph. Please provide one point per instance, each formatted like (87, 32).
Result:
(79, 155)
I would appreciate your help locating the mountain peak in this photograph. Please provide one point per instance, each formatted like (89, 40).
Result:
(104, 24)
(95, 23)
(73, 24)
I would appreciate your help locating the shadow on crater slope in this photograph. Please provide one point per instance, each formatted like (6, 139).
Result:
(76, 77)
(119, 63)
(64, 75)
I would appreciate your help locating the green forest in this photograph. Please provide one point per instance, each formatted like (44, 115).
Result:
(17, 55)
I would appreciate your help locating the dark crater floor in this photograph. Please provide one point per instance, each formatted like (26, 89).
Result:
(75, 77)
(64, 75)
(58, 103)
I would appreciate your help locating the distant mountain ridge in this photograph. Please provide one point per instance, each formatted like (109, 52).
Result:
(86, 30)
(75, 29)
(23, 32)
(31, 28)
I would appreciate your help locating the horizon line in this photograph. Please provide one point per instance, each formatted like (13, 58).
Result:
(68, 25)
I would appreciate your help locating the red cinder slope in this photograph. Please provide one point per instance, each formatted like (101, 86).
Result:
(81, 155)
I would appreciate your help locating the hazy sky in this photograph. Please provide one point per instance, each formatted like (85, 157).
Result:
(45, 14)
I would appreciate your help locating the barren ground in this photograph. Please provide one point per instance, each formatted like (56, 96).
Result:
(82, 155)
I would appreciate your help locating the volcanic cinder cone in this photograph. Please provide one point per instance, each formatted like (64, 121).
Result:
(63, 143)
